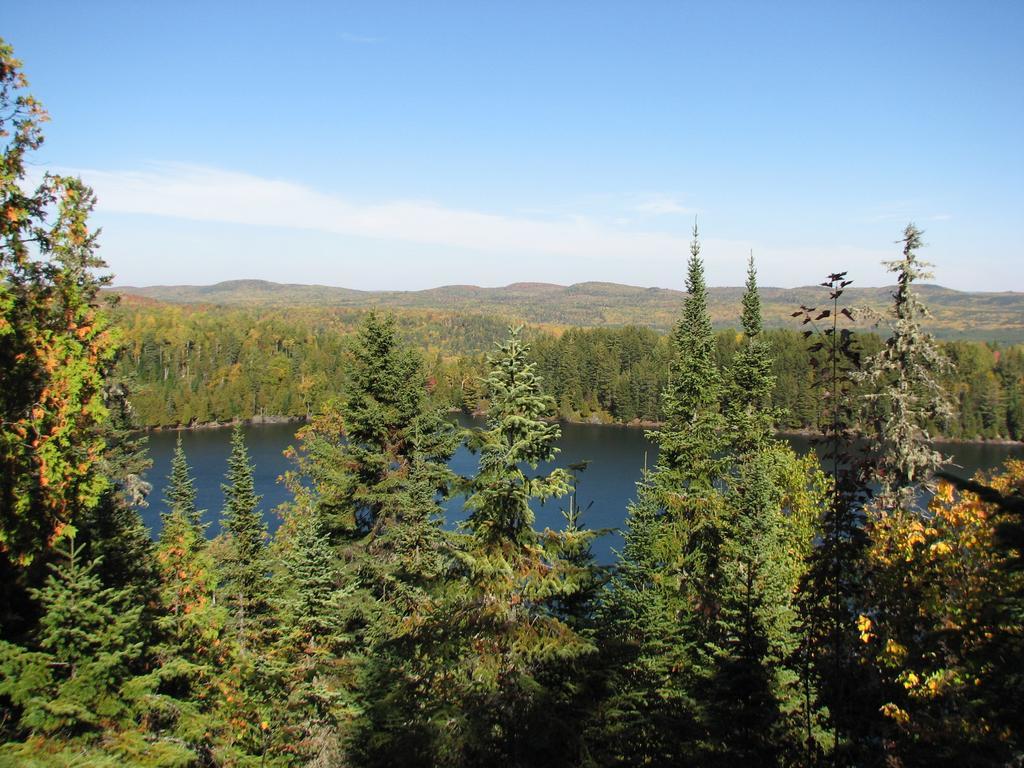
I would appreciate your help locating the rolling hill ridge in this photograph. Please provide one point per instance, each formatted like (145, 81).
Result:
(956, 314)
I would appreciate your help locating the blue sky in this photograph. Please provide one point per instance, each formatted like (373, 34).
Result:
(408, 145)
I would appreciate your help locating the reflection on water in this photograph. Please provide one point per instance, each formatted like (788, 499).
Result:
(616, 456)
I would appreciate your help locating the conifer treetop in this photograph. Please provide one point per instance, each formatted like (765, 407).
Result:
(751, 317)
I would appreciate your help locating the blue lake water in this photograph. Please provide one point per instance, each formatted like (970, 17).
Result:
(616, 457)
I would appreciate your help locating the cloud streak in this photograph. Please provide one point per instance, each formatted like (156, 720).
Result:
(208, 194)
(420, 243)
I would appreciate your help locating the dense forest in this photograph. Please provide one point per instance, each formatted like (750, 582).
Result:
(766, 609)
(952, 314)
(196, 364)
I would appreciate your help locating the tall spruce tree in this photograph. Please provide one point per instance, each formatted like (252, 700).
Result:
(752, 693)
(498, 646)
(362, 446)
(68, 690)
(180, 494)
(314, 646)
(665, 609)
(187, 697)
(747, 401)
(244, 569)
(377, 459)
(692, 436)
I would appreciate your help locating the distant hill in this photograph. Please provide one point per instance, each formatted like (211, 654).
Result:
(957, 314)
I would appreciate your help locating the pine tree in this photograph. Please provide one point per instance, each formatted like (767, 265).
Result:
(751, 690)
(387, 424)
(747, 401)
(314, 647)
(496, 647)
(377, 461)
(180, 494)
(906, 390)
(243, 569)
(69, 689)
(691, 438)
(186, 698)
(664, 613)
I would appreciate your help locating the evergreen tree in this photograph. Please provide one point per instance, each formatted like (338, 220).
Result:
(243, 568)
(69, 690)
(752, 692)
(906, 393)
(180, 493)
(56, 349)
(668, 592)
(692, 436)
(187, 697)
(314, 647)
(387, 424)
(496, 648)
(377, 459)
(113, 530)
(747, 403)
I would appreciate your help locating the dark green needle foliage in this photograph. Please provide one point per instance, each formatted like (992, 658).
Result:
(363, 445)
(500, 649)
(243, 566)
(664, 612)
(315, 647)
(67, 689)
(180, 494)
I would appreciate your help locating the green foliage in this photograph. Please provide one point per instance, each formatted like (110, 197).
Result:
(762, 612)
(68, 687)
(243, 565)
(313, 655)
(667, 597)
(206, 364)
(497, 650)
(57, 340)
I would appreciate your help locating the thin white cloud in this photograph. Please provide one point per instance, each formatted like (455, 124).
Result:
(209, 194)
(662, 206)
(434, 244)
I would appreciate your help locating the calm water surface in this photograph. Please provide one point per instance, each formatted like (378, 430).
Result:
(616, 458)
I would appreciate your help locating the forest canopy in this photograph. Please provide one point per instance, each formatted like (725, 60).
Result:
(767, 608)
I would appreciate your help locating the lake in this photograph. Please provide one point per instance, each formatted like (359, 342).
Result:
(617, 456)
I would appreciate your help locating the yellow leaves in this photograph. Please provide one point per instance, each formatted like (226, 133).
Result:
(893, 712)
(914, 536)
(940, 548)
(864, 626)
(894, 649)
(910, 680)
(944, 493)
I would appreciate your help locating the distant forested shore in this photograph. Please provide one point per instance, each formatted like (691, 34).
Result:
(196, 365)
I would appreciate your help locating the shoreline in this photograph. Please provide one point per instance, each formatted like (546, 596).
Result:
(635, 424)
